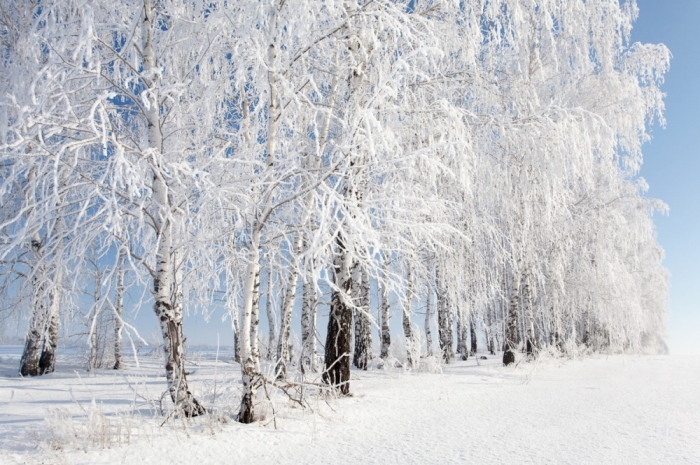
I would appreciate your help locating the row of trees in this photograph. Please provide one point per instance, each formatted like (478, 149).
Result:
(475, 157)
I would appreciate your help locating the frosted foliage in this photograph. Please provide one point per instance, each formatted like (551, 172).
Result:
(486, 152)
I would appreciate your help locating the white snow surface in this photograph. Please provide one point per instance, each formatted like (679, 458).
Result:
(595, 409)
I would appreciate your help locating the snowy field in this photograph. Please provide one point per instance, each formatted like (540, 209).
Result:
(617, 409)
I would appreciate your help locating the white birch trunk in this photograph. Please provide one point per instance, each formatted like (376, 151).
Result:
(511, 332)
(462, 335)
(255, 323)
(163, 286)
(472, 334)
(119, 315)
(412, 355)
(363, 322)
(308, 328)
(531, 341)
(386, 333)
(488, 329)
(236, 339)
(270, 317)
(428, 334)
(444, 319)
(248, 365)
(92, 362)
(29, 363)
(47, 361)
(286, 320)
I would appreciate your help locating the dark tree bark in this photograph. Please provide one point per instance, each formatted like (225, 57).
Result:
(488, 330)
(444, 331)
(168, 308)
(472, 334)
(510, 344)
(585, 338)
(462, 338)
(171, 325)
(530, 339)
(386, 333)
(444, 320)
(29, 363)
(407, 329)
(236, 342)
(47, 361)
(308, 328)
(337, 350)
(363, 323)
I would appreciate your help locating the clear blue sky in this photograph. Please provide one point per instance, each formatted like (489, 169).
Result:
(672, 160)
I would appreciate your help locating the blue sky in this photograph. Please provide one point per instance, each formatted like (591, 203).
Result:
(672, 160)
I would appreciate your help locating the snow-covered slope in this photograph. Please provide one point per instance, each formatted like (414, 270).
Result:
(617, 409)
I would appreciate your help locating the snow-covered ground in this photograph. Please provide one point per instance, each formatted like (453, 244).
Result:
(617, 409)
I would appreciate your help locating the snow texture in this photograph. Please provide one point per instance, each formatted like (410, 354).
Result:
(616, 409)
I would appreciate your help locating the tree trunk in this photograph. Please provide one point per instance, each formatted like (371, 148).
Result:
(359, 357)
(462, 336)
(587, 323)
(411, 356)
(255, 323)
(168, 309)
(93, 332)
(92, 362)
(29, 363)
(386, 333)
(308, 328)
(488, 330)
(444, 320)
(472, 334)
(428, 334)
(363, 321)
(554, 331)
(530, 341)
(118, 315)
(47, 361)
(337, 351)
(271, 338)
(236, 340)
(250, 366)
(169, 318)
(510, 345)
(286, 319)
(444, 327)
(249, 374)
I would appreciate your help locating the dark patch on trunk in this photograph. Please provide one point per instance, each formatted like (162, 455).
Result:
(337, 372)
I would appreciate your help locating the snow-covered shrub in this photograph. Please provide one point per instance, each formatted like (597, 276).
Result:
(94, 429)
(432, 364)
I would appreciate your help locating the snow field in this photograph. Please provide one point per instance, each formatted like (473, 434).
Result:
(617, 409)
